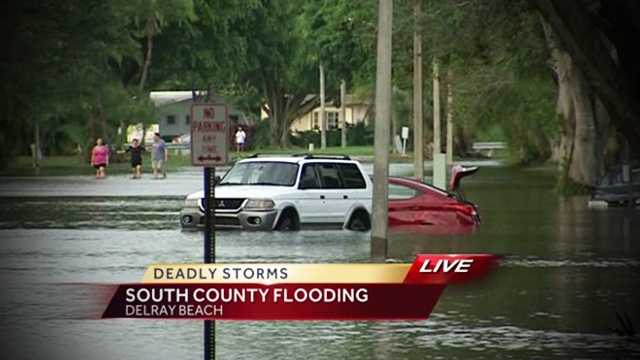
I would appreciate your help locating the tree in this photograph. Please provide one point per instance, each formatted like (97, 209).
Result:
(278, 66)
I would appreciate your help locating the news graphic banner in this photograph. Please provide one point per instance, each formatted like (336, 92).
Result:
(295, 291)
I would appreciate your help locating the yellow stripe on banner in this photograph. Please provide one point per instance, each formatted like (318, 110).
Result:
(276, 273)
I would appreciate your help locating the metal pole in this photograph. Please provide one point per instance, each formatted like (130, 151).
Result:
(209, 252)
(418, 123)
(323, 125)
(449, 118)
(36, 152)
(343, 114)
(379, 246)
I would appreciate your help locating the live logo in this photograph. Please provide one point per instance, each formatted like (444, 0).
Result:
(446, 266)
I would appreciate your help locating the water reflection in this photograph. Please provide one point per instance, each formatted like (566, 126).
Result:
(566, 270)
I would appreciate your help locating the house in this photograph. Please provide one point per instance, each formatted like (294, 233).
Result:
(356, 112)
(173, 112)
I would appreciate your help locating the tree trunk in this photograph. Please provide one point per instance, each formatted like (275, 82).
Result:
(580, 147)
(581, 35)
(151, 32)
(584, 167)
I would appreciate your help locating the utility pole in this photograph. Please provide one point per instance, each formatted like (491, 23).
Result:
(449, 118)
(35, 149)
(418, 124)
(437, 147)
(439, 159)
(379, 219)
(323, 125)
(343, 114)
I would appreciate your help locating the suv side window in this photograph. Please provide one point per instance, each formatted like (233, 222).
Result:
(309, 178)
(351, 177)
(329, 176)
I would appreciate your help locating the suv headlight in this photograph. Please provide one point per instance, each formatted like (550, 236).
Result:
(191, 203)
(259, 204)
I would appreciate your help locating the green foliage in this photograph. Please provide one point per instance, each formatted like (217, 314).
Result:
(358, 135)
(75, 66)
(494, 56)
(261, 136)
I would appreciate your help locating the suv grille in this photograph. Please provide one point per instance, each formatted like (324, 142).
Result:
(225, 204)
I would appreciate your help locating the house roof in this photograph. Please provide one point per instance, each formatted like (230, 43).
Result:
(350, 99)
(160, 98)
(168, 97)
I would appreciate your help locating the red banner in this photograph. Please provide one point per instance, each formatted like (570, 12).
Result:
(395, 291)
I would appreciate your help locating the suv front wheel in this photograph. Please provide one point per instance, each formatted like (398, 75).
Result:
(288, 221)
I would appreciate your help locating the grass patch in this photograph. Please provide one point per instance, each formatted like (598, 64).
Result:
(75, 165)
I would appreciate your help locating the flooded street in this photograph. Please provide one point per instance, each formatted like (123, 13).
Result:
(566, 271)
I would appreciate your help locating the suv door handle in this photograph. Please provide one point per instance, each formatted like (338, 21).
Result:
(321, 196)
(345, 196)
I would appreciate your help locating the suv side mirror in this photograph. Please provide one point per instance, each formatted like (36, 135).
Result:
(216, 179)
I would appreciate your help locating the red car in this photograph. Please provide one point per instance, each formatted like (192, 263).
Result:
(416, 205)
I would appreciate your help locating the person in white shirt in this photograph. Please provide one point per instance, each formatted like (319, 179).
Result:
(241, 136)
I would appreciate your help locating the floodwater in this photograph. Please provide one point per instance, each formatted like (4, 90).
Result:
(566, 271)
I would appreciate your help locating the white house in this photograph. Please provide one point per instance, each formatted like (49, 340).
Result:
(173, 111)
(355, 109)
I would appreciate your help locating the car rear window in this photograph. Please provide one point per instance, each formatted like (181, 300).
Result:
(351, 177)
(399, 192)
(329, 176)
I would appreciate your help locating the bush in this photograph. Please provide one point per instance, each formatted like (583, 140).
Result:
(359, 135)
(260, 135)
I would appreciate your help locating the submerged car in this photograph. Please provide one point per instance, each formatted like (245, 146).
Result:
(620, 186)
(308, 191)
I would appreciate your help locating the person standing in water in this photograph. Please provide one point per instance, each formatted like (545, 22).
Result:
(159, 157)
(100, 159)
(136, 158)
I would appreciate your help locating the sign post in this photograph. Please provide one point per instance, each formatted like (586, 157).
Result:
(405, 136)
(209, 134)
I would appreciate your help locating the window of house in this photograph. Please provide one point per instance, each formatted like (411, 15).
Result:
(171, 119)
(187, 119)
(332, 119)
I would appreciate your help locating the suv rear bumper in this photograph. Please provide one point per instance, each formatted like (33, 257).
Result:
(193, 218)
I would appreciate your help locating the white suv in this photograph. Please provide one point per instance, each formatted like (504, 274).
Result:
(287, 193)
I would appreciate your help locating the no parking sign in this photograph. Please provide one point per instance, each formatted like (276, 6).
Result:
(209, 134)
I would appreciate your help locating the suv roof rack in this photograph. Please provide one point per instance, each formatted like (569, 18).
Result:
(324, 156)
(257, 155)
(303, 155)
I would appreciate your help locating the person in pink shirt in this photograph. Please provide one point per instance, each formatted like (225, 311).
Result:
(100, 158)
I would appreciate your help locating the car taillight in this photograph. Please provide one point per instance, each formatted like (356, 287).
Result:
(466, 209)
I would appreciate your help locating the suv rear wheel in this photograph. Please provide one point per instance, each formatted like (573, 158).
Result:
(359, 221)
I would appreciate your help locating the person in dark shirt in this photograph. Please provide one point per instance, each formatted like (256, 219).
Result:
(136, 158)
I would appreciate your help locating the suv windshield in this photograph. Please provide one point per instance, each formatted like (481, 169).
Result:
(261, 173)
